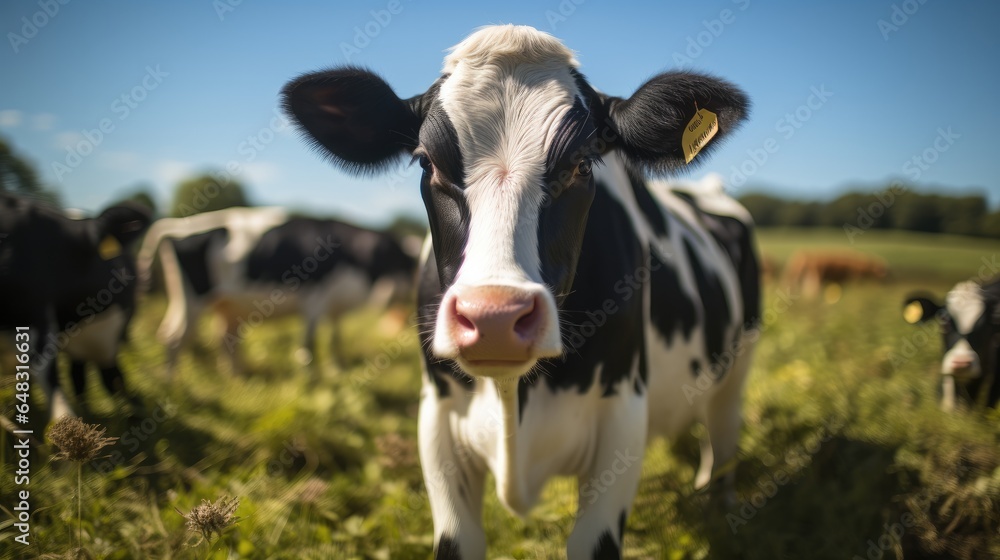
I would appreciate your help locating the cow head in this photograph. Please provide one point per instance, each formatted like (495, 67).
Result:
(508, 138)
(970, 327)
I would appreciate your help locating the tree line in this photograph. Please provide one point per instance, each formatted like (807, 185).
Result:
(894, 207)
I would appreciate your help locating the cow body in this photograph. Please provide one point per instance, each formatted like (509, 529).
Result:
(73, 282)
(250, 264)
(575, 311)
(808, 272)
(970, 328)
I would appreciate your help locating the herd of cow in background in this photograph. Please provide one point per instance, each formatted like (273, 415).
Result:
(494, 294)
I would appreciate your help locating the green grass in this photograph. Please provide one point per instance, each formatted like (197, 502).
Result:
(843, 440)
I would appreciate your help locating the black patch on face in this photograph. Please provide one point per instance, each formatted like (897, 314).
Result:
(562, 223)
(569, 143)
(650, 209)
(695, 368)
(621, 525)
(449, 217)
(439, 140)
(447, 549)
(671, 310)
(607, 548)
(610, 252)
(714, 304)
(192, 257)
(429, 293)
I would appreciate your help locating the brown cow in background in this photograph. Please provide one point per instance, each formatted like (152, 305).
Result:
(811, 273)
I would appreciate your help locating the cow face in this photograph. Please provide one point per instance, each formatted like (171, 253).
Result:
(970, 327)
(508, 139)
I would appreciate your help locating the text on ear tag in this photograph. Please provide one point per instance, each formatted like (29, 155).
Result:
(698, 132)
(109, 248)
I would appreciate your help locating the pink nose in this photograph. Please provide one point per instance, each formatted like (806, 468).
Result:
(961, 363)
(494, 325)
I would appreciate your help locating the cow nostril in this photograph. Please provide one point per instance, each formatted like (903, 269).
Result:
(527, 324)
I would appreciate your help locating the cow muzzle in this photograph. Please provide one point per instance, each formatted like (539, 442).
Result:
(496, 330)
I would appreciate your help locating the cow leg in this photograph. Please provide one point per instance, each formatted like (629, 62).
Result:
(454, 483)
(336, 344)
(78, 373)
(231, 338)
(46, 361)
(176, 330)
(608, 487)
(723, 420)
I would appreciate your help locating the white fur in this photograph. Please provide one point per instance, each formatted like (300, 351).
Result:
(966, 305)
(508, 91)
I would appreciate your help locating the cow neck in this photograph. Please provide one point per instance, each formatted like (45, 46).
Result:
(508, 476)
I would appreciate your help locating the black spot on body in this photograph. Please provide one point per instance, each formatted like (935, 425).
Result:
(650, 209)
(192, 258)
(447, 549)
(607, 548)
(671, 310)
(714, 305)
(695, 368)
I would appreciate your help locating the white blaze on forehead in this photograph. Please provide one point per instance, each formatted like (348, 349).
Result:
(507, 91)
(966, 305)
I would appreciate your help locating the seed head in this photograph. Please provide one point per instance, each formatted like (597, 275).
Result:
(78, 441)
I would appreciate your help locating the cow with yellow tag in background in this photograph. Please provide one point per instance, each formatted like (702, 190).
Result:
(72, 284)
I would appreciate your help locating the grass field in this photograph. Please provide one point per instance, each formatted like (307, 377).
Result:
(844, 453)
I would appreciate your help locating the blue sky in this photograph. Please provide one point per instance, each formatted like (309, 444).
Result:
(205, 77)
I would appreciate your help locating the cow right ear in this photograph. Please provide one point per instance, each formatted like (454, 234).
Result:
(919, 308)
(352, 116)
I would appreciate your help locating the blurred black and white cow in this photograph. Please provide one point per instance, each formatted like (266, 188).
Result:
(573, 312)
(250, 264)
(970, 327)
(73, 281)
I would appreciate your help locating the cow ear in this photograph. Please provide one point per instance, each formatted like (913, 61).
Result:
(650, 124)
(919, 308)
(352, 116)
(125, 222)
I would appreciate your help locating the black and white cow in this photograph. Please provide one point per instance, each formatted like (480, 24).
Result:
(970, 327)
(250, 264)
(573, 312)
(73, 282)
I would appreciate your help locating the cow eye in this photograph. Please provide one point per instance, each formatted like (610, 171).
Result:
(585, 168)
(425, 163)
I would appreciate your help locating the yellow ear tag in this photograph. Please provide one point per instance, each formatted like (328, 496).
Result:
(698, 132)
(109, 248)
(913, 313)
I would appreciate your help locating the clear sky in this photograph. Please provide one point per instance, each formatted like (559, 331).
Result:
(201, 79)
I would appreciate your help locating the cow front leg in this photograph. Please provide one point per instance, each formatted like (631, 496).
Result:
(454, 483)
(608, 487)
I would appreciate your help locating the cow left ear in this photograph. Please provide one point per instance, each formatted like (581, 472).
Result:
(650, 124)
(918, 308)
(354, 117)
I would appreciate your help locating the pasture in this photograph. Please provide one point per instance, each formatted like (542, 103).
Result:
(844, 452)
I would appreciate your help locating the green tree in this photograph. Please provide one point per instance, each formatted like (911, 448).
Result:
(205, 193)
(18, 176)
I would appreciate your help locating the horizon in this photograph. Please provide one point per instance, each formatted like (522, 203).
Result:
(845, 97)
